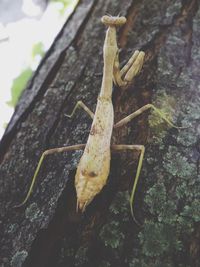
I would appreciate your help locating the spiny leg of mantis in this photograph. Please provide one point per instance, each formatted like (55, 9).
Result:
(44, 154)
(124, 76)
(141, 149)
(140, 111)
(82, 105)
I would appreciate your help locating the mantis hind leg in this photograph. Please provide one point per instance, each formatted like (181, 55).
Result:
(44, 154)
(141, 149)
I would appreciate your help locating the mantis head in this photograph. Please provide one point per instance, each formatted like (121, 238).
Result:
(113, 21)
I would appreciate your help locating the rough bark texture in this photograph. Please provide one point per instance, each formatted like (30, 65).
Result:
(48, 231)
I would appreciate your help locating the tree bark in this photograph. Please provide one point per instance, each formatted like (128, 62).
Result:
(47, 231)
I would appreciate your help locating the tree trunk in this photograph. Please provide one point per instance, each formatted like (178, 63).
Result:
(47, 231)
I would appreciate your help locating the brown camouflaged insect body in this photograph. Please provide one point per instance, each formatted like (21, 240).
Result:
(94, 166)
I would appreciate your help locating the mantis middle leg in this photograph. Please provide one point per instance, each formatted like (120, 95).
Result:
(44, 154)
(140, 111)
(82, 105)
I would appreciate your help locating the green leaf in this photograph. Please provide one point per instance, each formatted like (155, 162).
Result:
(18, 86)
(38, 49)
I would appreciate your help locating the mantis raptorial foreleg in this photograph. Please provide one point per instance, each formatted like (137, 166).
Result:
(141, 149)
(82, 105)
(140, 111)
(124, 76)
(44, 154)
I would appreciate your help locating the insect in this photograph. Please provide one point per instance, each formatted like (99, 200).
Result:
(94, 166)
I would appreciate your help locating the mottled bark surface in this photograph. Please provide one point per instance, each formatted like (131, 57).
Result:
(48, 231)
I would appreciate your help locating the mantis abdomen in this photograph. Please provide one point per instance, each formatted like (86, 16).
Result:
(94, 166)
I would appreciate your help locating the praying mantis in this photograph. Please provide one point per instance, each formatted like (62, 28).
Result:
(94, 166)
